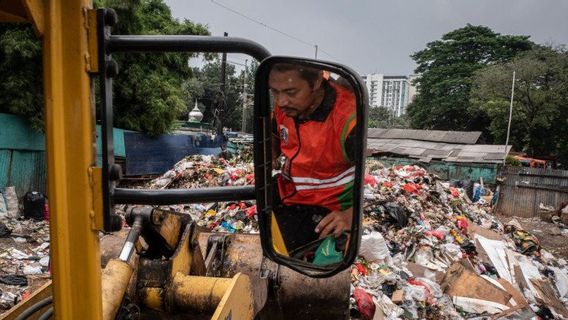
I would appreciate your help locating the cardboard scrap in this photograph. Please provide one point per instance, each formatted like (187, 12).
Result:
(398, 296)
(546, 295)
(475, 229)
(520, 308)
(420, 271)
(517, 296)
(472, 292)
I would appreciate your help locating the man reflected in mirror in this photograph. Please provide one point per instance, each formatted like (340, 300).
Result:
(313, 124)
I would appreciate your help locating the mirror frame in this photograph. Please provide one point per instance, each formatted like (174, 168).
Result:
(263, 160)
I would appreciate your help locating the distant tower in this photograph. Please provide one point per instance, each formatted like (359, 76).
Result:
(195, 115)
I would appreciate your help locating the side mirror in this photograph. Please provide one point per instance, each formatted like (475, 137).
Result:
(310, 142)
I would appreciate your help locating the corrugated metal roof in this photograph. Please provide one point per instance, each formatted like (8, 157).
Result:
(463, 137)
(427, 150)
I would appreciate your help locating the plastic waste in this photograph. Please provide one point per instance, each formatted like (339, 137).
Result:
(11, 198)
(365, 303)
(397, 213)
(326, 253)
(32, 269)
(4, 231)
(14, 280)
(3, 209)
(373, 247)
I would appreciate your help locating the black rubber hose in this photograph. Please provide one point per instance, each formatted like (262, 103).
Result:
(35, 308)
(47, 314)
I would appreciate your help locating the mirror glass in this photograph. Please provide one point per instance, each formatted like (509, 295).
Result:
(315, 146)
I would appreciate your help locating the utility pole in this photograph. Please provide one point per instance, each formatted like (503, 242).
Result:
(245, 99)
(222, 103)
(316, 51)
(223, 69)
(510, 116)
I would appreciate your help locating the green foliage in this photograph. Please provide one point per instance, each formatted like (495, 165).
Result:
(511, 161)
(21, 75)
(381, 117)
(206, 88)
(446, 69)
(539, 122)
(149, 90)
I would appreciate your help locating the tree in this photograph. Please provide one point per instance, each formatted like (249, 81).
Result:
(382, 117)
(149, 90)
(539, 122)
(446, 68)
(206, 88)
(21, 75)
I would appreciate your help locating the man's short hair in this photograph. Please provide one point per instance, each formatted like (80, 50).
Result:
(311, 75)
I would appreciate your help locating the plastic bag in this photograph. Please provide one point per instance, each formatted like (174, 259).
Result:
(365, 303)
(3, 209)
(326, 253)
(11, 202)
(373, 247)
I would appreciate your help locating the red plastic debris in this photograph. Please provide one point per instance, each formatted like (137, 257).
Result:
(436, 233)
(462, 224)
(365, 303)
(370, 180)
(429, 297)
(251, 212)
(454, 192)
(361, 269)
(411, 188)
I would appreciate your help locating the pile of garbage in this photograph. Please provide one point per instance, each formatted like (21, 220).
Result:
(429, 252)
(200, 171)
(24, 251)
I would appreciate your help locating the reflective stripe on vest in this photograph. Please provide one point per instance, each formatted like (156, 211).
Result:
(313, 183)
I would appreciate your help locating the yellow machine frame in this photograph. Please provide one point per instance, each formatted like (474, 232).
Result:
(68, 31)
(70, 145)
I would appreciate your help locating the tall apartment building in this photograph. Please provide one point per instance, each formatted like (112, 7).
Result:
(391, 92)
(374, 84)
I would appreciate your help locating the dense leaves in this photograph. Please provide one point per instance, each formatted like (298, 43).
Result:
(540, 106)
(446, 69)
(148, 92)
(223, 108)
(382, 117)
(21, 83)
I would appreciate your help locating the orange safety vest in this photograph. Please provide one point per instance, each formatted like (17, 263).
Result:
(317, 170)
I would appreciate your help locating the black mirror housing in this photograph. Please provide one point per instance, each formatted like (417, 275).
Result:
(283, 110)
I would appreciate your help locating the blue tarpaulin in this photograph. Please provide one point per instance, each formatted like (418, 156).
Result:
(156, 155)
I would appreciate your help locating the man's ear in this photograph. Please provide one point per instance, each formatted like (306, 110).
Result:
(318, 83)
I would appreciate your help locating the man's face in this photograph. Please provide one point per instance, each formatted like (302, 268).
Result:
(292, 94)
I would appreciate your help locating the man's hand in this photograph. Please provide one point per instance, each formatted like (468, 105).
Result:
(335, 223)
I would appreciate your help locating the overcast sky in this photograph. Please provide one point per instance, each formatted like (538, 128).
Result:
(370, 35)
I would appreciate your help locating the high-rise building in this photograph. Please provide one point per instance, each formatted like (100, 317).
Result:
(395, 94)
(391, 92)
(374, 84)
